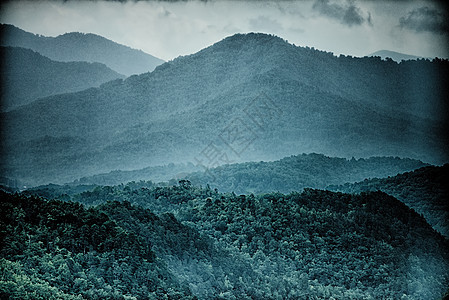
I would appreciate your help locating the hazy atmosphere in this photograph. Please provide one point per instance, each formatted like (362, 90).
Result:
(167, 29)
(224, 150)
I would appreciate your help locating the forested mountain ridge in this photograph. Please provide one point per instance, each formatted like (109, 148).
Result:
(316, 244)
(339, 106)
(295, 173)
(155, 174)
(77, 46)
(26, 76)
(424, 190)
(291, 173)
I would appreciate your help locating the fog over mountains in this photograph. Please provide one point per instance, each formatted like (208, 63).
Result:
(76, 46)
(252, 169)
(396, 56)
(313, 101)
(26, 76)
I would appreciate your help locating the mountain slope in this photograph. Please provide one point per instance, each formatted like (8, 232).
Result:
(77, 46)
(27, 76)
(425, 190)
(298, 172)
(71, 252)
(289, 174)
(396, 56)
(316, 244)
(311, 101)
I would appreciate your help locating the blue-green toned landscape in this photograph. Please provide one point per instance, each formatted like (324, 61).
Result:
(252, 168)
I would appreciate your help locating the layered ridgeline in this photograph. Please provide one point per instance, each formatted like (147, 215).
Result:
(156, 174)
(248, 97)
(396, 56)
(424, 190)
(77, 46)
(292, 173)
(26, 76)
(312, 245)
(295, 173)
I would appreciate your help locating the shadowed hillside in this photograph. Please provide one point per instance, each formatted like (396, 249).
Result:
(27, 76)
(425, 190)
(77, 46)
(298, 172)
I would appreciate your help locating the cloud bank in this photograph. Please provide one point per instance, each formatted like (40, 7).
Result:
(426, 19)
(346, 13)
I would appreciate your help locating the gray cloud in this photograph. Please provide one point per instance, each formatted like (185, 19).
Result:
(168, 29)
(425, 19)
(347, 12)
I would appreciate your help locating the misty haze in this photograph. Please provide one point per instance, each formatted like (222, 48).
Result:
(177, 154)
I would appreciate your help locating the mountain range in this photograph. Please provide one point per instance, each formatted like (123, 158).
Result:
(293, 173)
(236, 216)
(421, 187)
(425, 190)
(278, 98)
(75, 46)
(26, 76)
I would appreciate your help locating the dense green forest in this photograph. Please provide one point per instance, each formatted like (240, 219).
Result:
(26, 76)
(424, 190)
(60, 250)
(221, 217)
(140, 241)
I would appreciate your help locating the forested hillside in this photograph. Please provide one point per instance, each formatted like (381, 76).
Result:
(295, 173)
(60, 250)
(288, 174)
(26, 76)
(155, 174)
(280, 98)
(77, 46)
(424, 190)
(315, 244)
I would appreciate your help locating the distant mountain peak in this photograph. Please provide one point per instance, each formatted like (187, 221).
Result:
(254, 36)
(26, 76)
(82, 35)
(77, 46)
(315, 102)
(257, 37)
(396, 56)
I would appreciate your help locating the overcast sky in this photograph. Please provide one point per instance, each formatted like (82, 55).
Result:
(167, 29)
